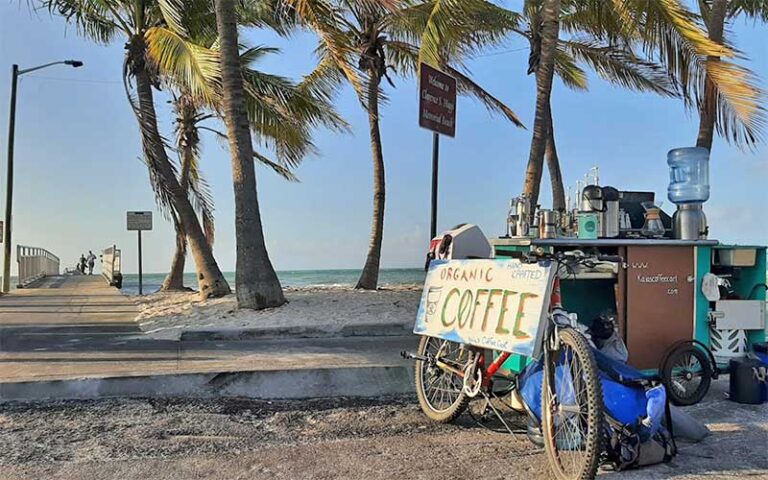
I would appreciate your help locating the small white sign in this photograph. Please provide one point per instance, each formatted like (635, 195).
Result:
(496, 304)
(139, 220)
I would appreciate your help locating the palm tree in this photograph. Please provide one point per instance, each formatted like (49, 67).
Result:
(133, 19)
(256, 283)
(362, 42)
(668, 34)
(714, 113)
(586, 48)
(545, 70)
(188, 119)
(282, 114)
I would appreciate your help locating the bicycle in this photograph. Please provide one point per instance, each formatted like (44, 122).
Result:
(449, 375)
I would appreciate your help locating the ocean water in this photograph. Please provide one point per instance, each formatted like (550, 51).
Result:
(288, 278)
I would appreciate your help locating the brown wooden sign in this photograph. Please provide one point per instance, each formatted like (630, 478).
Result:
(437, 101)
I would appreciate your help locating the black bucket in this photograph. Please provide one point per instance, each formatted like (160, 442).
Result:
(745, 384)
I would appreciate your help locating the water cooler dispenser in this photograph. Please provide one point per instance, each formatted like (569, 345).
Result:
(689, 189)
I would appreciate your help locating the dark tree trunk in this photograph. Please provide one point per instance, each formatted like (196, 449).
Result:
(708, 110)
(175, 278)
(544, 75)
(553, 165)
(174, 281)
(209, 278)
(369, 278)
(256, 283)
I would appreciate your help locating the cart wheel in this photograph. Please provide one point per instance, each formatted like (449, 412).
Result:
(687, 373)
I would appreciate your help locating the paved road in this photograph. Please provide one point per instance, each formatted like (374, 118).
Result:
(75, 327)
(385, 438)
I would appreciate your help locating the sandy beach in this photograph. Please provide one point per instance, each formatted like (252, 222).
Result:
(167, 314)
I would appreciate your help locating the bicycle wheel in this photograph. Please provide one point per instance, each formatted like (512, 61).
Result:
(572, 408)
(439, 390)
(687, 374)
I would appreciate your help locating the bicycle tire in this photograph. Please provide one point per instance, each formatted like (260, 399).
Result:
(679, 391)
(438, 413)
(591, 442)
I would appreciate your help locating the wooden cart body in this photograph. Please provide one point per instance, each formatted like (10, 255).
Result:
(657, 292)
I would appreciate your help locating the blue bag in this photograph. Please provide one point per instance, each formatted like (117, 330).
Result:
(634, 410)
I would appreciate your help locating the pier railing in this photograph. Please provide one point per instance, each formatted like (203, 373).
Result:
(110, 266)
(34, 264)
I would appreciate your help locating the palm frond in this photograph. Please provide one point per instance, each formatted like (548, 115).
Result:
(459, 28)
(276, 167)
(467, 86)
(326, 20)
(568, 70)
(753, 9)
(673, 36)
(185, 63)
(325, 81)
(622, 67)
(201, 198)
(96, 20)
(153, 144)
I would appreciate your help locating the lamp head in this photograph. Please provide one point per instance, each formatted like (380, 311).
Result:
(73, 63)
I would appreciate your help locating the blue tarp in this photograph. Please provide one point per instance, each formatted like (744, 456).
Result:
(624, 401)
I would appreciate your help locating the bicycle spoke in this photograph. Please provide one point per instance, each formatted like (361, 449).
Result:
(568, 407)
(442, 387)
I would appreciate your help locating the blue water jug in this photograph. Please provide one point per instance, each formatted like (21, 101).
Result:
(688, 175)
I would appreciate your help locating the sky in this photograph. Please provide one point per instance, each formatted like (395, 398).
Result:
(77, 166)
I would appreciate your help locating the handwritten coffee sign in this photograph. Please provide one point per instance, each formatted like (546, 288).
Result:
(496, 304)
(437, 101)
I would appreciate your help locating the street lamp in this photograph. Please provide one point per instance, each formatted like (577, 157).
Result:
(15, 73)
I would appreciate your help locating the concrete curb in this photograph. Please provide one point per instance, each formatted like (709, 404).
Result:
(315, 331)
(368, 381)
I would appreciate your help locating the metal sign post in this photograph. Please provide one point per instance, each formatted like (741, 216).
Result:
(139, 221)
(437, 112)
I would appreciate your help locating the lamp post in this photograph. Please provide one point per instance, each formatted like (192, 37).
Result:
(15, 73)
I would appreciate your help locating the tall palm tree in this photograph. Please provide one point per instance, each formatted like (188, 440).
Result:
(256, 283)
(363, 42)
(188, 119)
(666, 33)
(282, 115)
(714, 113)
(586, 48)
(104, 21)
(545, 70)
(190, 124)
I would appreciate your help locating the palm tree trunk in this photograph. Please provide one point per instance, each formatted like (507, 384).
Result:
(708, 110)
(553, 165)
(256, 283)
(174, 281)
(210, 280)
(175, 278)
(369, 278)
(544, 73)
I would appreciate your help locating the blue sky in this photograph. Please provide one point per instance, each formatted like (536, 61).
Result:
(77, 150)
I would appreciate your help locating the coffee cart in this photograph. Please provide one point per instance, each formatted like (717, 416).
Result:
(677, 294)
(657, 293)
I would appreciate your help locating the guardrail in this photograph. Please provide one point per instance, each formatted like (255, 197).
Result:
(34, 264)
(110, 266)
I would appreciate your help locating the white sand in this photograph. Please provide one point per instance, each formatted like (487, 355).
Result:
(166, 314)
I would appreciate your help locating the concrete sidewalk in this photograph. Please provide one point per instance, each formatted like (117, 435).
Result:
(76, 337)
